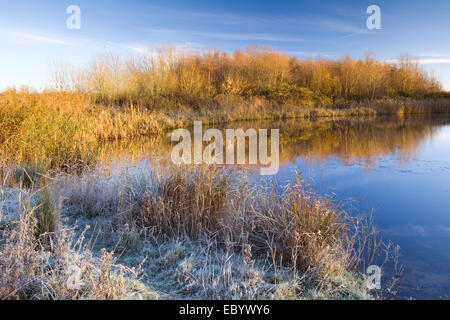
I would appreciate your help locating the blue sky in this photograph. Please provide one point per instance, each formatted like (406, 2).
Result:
(33, 33)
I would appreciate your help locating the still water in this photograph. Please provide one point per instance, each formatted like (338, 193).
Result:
(397, 168)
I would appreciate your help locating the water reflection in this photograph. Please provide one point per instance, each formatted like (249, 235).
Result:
(397, 166)
(400, 168)
(350, 141)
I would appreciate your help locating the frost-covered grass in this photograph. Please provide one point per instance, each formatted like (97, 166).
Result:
(179, 233)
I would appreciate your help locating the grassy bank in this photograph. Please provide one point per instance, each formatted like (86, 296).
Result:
(114, 99)
(66, 130)
(180, 233)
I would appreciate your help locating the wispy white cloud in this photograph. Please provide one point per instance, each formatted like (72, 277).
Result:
(28, 37)
(425, 61)
(309, 54)
(409, 231)
(346, 12)
(214, 17)
(135, 48)
(433, 58)
(32, 38)
(433, 55)
(230, 36)
(423, 231)
(433, 61)
(340, 26)
(321, 21)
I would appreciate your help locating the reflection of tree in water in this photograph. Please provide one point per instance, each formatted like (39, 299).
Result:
(350, 141)
(354, 141)
(134, 150)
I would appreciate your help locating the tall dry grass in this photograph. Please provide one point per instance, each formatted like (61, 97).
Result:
(186, 203)
(40, 260)
(293, 226)
(63, 130)
(203, 232)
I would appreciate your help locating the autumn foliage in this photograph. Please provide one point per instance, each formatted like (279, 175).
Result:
(256, 72)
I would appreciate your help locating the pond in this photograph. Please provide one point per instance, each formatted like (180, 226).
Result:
(396, 167)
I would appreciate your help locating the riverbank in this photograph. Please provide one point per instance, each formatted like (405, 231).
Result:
(165, 232)
(64, 131)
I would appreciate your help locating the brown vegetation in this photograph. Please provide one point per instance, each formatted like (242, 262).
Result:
(295, 226)
(39, 262)
(114, 99)
(176, 78)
